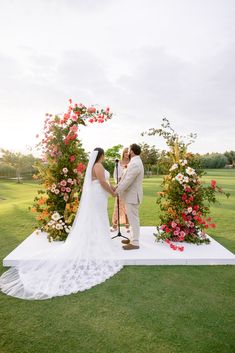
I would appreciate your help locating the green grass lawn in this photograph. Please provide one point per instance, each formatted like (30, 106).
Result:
(165, 309)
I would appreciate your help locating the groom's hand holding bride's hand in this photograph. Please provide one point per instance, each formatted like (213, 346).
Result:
(114, 193)
(113, 188)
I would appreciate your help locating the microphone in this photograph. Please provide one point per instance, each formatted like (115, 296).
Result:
(116, 161)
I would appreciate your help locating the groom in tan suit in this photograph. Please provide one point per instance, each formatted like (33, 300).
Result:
(130, 190)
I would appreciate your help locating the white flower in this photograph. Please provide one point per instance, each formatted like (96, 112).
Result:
(190, 171)
(179, 177)
(190, 209)
(55, 216)
(65, 170)
(186, 179)
(57, 191)
(59, 226)
(174, 166)
(183, 162)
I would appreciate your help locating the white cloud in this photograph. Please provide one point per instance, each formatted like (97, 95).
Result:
(146, 59)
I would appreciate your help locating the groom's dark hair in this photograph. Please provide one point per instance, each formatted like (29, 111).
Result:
(136, 149)
(100, 153)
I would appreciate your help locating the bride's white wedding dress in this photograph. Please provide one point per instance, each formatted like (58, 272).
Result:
(87, 258)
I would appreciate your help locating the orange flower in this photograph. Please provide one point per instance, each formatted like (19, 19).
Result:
(33, 209)
(43, 215)
(42, 200)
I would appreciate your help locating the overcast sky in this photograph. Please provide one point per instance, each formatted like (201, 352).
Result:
(146, 59)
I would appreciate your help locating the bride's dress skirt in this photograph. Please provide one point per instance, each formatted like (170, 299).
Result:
(87, 258)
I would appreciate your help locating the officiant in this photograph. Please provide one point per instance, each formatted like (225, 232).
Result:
(122, 166)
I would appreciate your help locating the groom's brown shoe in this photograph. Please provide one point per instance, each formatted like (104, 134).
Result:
(130, 247)
(125, 241)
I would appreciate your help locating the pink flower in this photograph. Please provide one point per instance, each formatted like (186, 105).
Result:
(57, 191)
(68, 189)
(81, 167)
(66, 197)
(74, 117)
(70, 181)
(176, 232)
(190, 209)
(63, 183)
(91, 110)
(63, 189)
(163, 226)
(73, 128)
(213, 184)
(72, 158)
(173, 224)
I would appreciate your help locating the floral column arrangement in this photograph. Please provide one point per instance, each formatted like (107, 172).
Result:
(62, 168)
(184, 200)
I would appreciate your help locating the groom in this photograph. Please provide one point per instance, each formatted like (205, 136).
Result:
(130, 190)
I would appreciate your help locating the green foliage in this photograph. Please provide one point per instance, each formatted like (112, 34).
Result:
(17, 163)
(111, 154)
(149, 156)
(230, 155)
(213, 160)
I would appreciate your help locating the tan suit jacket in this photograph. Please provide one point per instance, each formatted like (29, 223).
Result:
(130, 186)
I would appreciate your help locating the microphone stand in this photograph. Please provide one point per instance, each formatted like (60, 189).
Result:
(119, 234)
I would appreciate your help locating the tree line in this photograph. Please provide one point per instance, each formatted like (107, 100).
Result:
(156, 162)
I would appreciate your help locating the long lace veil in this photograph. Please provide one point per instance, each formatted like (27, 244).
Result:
(86, 259)
(85, 197)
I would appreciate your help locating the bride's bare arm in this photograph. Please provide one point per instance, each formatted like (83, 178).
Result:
(99, 173)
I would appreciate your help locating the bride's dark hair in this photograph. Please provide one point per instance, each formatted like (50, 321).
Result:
(100, 153)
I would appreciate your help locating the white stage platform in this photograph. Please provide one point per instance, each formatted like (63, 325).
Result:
(150, 252)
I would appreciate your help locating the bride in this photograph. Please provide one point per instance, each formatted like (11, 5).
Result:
(88, 256)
